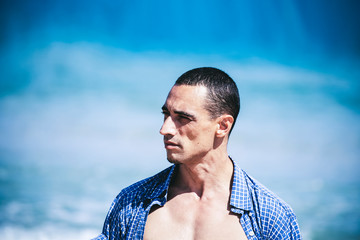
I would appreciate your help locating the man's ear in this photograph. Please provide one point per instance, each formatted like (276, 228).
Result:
(225, 123)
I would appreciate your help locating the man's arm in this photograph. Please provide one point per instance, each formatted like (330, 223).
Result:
(100, 237)
(285, 227)
(294, 229)
(105, 232)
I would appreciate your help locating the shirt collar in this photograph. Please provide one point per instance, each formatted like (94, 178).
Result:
(162, 188)
(240, 196)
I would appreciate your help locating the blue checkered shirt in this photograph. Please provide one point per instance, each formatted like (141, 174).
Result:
(263, 214)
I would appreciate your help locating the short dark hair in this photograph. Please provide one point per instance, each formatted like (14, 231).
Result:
(223, 94)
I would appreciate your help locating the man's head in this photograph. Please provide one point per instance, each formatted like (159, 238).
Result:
(223, 95)
(198, 116)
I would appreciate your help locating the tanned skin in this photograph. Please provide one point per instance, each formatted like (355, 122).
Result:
(197, 204)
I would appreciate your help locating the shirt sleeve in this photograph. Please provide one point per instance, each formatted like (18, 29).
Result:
(108, 228)
(281, 223)
(294, 229)
(100, 237)
(286, 227)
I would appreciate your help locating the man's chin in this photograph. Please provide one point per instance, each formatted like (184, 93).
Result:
(173, 159)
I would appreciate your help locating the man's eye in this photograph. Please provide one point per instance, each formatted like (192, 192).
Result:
(183, 118)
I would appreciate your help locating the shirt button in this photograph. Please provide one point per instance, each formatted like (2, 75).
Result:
(250, 214)
(251, 233)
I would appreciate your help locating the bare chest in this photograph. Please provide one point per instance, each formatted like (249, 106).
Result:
(193, 221)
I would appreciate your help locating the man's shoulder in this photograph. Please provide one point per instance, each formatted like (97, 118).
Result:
(146, 187)
(266, 200)
(277, 217)
(130, 204)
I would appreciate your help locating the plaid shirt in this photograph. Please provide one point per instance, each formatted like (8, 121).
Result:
(263, 214)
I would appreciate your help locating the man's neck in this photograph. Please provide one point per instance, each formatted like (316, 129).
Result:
(205, 178)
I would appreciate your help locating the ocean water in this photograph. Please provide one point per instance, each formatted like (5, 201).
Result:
(87, 125)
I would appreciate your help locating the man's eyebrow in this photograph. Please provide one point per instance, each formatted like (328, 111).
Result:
(165, 109)
(185, 114)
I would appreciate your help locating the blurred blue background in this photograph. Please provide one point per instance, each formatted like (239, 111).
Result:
(82, 84)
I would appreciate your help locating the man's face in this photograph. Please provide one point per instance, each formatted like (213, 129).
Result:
(188, 130)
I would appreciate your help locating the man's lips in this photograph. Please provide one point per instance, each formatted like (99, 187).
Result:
(170, 145)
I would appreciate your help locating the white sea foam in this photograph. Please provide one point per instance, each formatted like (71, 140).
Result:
(46, 232)
(88, 124)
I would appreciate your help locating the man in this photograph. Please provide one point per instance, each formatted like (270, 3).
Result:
(204, 194)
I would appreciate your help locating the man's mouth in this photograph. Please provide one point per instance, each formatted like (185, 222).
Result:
(170, 145)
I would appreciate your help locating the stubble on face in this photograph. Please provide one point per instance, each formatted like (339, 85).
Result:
(187, 128)
(172, 160)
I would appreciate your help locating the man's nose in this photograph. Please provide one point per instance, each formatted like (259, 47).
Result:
(168, 127)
